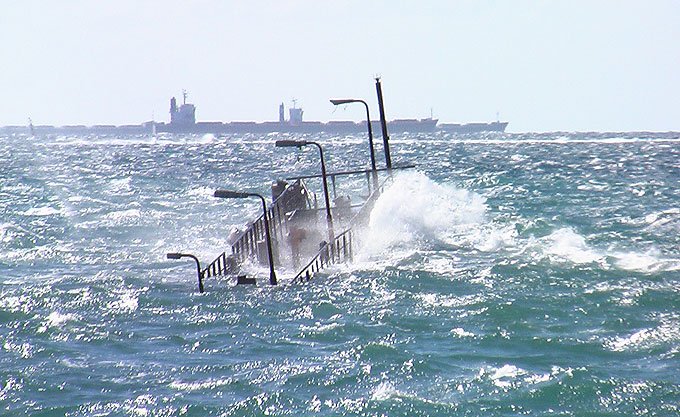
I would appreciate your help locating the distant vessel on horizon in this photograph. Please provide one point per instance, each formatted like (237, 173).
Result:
(183, 120)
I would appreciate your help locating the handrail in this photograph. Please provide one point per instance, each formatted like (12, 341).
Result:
(245, 245)
(352, 172)
(337, 251)
(341, 249)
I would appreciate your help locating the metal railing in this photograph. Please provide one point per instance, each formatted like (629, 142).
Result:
(340, 250)
(246, 245)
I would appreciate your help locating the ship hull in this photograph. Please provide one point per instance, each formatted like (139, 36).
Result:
(468, 128)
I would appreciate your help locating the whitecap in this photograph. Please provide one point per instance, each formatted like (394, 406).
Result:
(41, 211)
(384, 392)
(200, 385)
(320, 328)
(503, 377)
(641, 262)
(566, 245)
(460, 332)
(437, 300)
(56, 319)
(649, 261)
(662, 217)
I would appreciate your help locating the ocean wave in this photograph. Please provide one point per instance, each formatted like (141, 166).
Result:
(666, 333)
(566, 246)
(415, 208)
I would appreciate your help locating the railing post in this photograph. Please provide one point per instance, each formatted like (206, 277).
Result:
(351, 244)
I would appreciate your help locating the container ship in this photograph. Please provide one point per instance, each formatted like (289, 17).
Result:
(183, 120)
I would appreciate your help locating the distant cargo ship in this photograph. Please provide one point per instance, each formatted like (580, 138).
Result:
(183, 120)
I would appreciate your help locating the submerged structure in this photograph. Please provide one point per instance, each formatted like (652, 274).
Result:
(295, 232)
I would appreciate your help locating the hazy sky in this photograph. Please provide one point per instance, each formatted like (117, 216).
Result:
(571, 65)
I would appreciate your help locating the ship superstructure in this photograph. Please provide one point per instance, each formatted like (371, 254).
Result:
(184, 115)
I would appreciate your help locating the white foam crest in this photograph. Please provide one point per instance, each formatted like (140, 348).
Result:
(207, 138)
(41, 211)
(416, 208)
(384, 392)
(504, 376)
(25, 350)
(56, 319)
(510, 376)
(593, 186)
(461, 333)
(566, 245)
(442, 301)
(30, 254)
(650, 261)
(662, 217)
(200, 385)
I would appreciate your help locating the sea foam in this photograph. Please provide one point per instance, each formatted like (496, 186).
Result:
(415, 208)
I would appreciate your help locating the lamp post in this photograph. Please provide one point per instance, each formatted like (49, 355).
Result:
(175, 255)
(383, 124)
(299, 144)
(337, 102)
(236, 194)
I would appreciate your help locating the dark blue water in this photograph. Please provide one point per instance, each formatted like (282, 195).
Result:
(510, 275)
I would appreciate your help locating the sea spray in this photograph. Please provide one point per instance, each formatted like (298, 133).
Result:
(414, 210)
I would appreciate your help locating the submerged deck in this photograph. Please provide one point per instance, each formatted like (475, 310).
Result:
(303, 239)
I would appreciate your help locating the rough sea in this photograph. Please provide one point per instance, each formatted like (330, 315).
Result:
(506, 275)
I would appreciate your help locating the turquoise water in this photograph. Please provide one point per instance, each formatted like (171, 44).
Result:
(522, 274)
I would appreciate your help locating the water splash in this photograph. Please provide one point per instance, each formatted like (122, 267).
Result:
(416, 209)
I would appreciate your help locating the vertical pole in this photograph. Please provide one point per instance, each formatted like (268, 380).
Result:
(272, 274)
(329, 217)
(370, 142)
(383, 124)
(198, 270)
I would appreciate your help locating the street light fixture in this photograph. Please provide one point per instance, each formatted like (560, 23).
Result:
(299, 144)
(237, 194)
(175, 255)
(337, 102)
